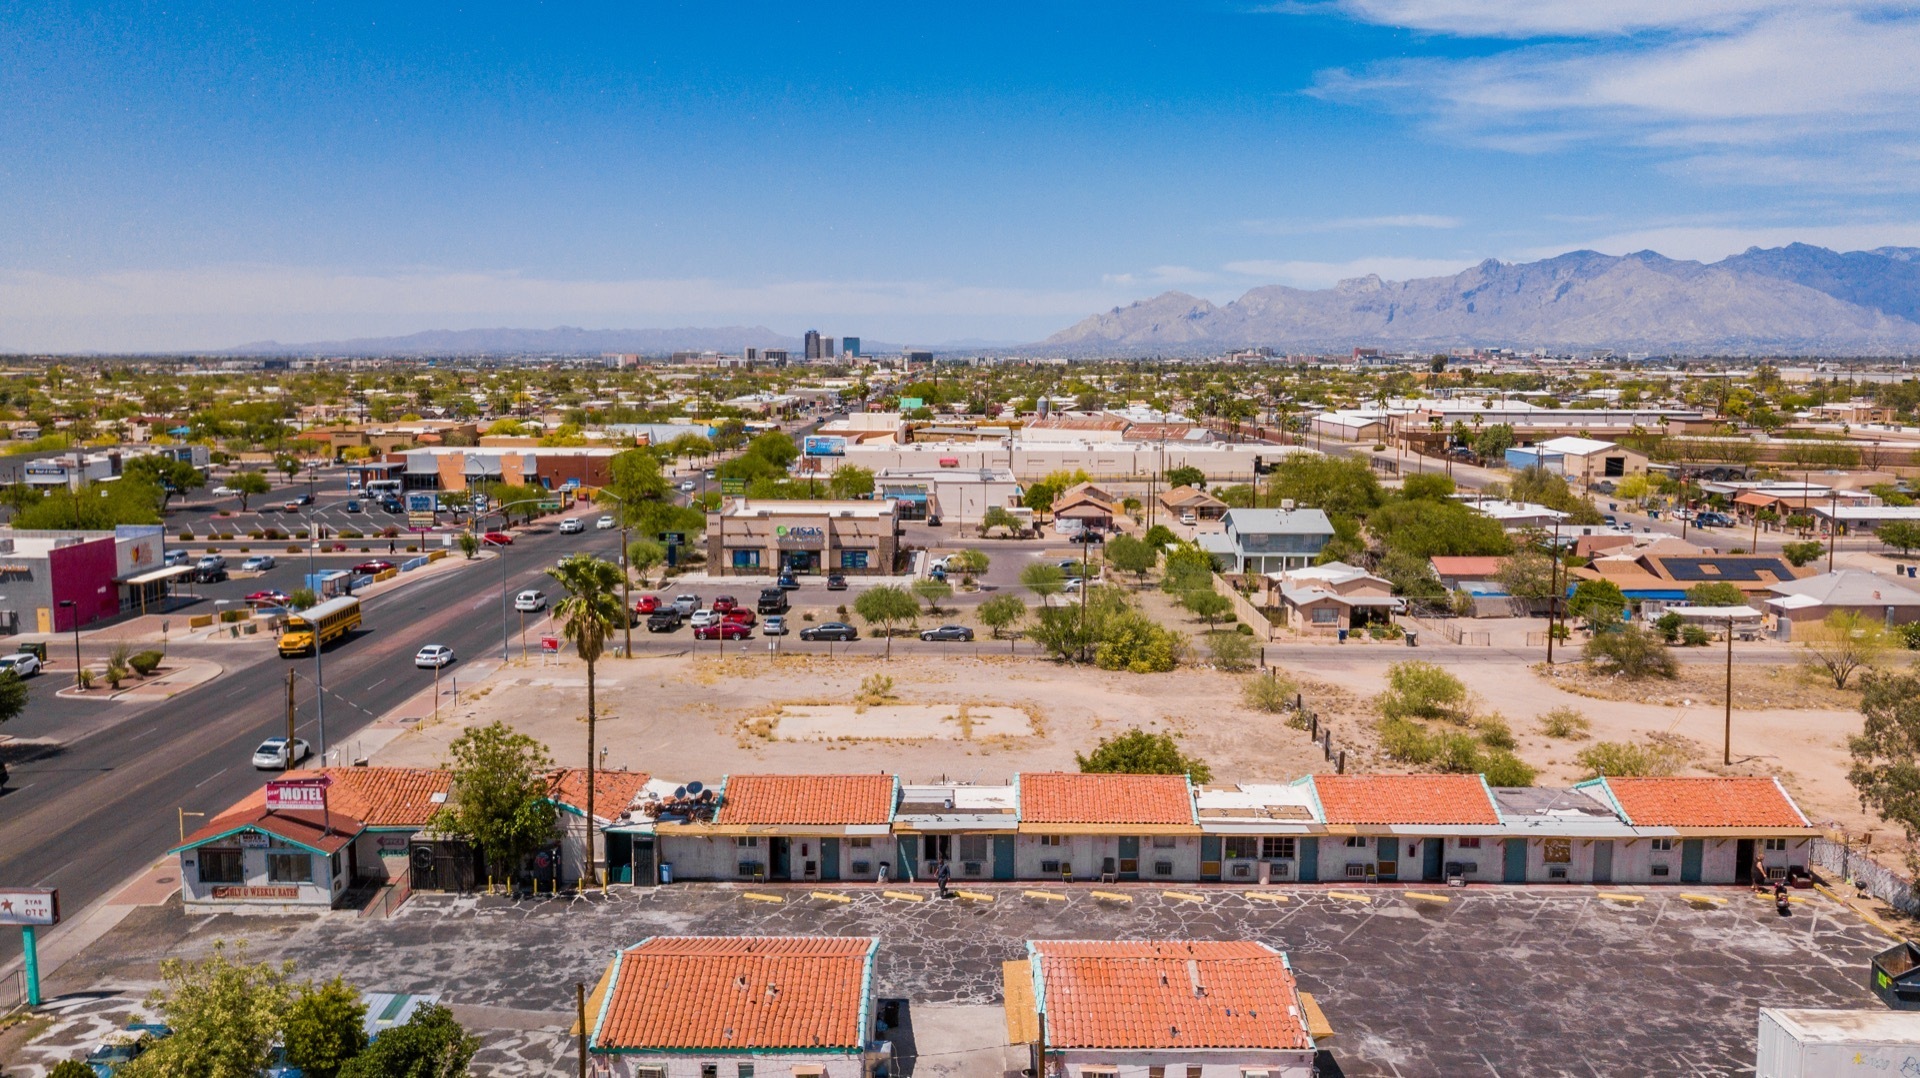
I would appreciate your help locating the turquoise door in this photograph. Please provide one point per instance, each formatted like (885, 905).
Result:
(1309, 850)
(1209, 857)
(1430, 866)
(1003, 857)
(905, 868)
(829, 858)
(1129, 857)
(1516, 861)
(1387, 852)
(1690, 851)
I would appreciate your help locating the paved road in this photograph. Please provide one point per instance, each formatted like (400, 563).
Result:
(87, 814)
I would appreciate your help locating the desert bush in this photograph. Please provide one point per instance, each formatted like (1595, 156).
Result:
(1631, 652)
(876, 689)
(1495, 731)
(1457, 752)
(1565, 722)
(1231, 651)
(1622, 758)
(1270, 694)
(145, 663)
(1406, 741)
(1503, 768)
(1695, 636)
(1424, 691)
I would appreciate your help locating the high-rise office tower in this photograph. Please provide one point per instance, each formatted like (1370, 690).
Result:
(850, 346)
(813, 344)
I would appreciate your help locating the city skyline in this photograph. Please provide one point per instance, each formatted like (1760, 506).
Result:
(197, 178)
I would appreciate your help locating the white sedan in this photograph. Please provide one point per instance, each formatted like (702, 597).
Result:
(572, 526)
(433, 656)
(224, 491)
(272, 755)
(605, 523)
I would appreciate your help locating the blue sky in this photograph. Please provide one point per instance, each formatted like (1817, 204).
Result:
(198, 175)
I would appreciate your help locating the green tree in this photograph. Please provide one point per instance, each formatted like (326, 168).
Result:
(588, 617)
(636, 483)
(170, 475)
(886, 606)
(1207, 604)
(1138, 752)
(468, 543)
(969, 562)
(1159, 537)
(1885, 769)
(1421, 690)
(1493, 442)
(1528, 575)
(643, 555)
(287, 465)
(851, 481)
(1130, 555)
(1002, 612)
(1039, 497)
(1902, 535)
(1799, 554)
(1187, 476)
(1426, 487)
(225, 1013)
(325, 1027)
(1343, 485)
(1598, 602)
(775, 448)
(95, 507)
(1044, 579)
(430, 1045)
(13, 696)
(1716, 593)
(1132, 641)
(247, 484)
(499, 797)
(1188, 569)
(932, 592)
(1844, 643)
(999, 516)
(1631, 651)
(72, 1068)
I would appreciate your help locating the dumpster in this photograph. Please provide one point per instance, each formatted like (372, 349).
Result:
(1895, 977)
(666, 872)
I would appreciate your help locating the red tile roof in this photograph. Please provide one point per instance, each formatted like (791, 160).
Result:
(613, 791)
(385, 796)
(1072, 797)
(738, 992)
(309, 829)
(1705, 801)
(806, 799)
(1168, 995)
(1405, 799)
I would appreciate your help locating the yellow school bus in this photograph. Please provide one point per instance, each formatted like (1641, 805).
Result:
(318, 626)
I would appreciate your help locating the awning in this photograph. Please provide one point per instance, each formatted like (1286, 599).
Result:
(153, 576)
(1016, 996)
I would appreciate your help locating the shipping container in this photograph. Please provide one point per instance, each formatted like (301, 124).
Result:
(1805, 1043)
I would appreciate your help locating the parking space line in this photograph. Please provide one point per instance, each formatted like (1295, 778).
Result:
(829, 896)
(1051, 896)
(905, 896)
(1183, 896)
(756, 896)
(1350, 896)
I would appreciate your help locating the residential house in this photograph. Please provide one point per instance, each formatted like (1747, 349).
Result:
(1106, 827)
(1181, 501)
(734, 1006)
(1706, 830)
(1885, 599)
(1082, 507)
(1267, 540)
(787, 827)
(1327, 599)
(1478, 575)
(1406, 827)
(1149, 1009)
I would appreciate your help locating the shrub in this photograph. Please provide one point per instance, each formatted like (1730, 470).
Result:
(293, 548)
(1565, 722)
(1271, 694)
(1231, 651)
(875, 689)
(145, 663)
(1422, 690)
(1624, 759)
(85, 678)
(1135, 643)
(185, 537)
(1668, 626)
(1800, 554)
(1137, 752)
(1406, 741)
(1910, 635)
(1631, 652)
(70, 1068)
(1503, 768)
(1457, 752)
(1695, 636)
(1495, 731)
(115, 675)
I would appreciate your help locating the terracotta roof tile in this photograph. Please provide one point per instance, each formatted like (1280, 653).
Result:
(806, 799)
(613, 791)
(1071, 797)
(1705, 801)
(385, 796)
(1168, 995)
(1405, 799)
(326, 834)
(738, 992)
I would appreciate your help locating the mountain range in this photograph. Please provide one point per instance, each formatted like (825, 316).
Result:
(1797, 299)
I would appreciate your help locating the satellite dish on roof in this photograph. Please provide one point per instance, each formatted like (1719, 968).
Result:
(694, 788)
(679, 791)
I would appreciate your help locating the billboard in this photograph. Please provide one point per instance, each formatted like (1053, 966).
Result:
(290, 794)
(824, 445)
(422, 501)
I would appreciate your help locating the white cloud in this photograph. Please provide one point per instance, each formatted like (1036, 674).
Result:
(1160, 277)
(1756, 92)
(1306, 274)
(219, 307)
(1342, 224)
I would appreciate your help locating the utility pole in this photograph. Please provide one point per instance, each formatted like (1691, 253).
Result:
(290, 719)
(1553, 595)
(1833, 523)
(626, 587)
(1726, 753)
(580, 1012)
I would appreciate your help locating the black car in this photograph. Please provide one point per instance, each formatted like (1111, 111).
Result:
(948, 632)
(664, 620)
(837, 582)
(1087, 535)
(392, 505)
(832, 630)
(772, 601)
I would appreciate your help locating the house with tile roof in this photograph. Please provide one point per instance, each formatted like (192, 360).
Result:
(254, 856)
(1211, 1009)
(708, 1006)
(623, 856)
(1402, 827)
(1706, 829)
(788, 827)
(1076, 826)
(1182, 500)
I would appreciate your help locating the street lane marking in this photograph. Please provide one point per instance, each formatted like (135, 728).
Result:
(213, 776)
(236, 692)
(376, 685)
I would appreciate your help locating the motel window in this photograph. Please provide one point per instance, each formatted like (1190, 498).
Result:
(1557, 851)
(1156, 1072)
(1193, 1071)
(709, 1070)
(1776, 845)
(1467, 843)
(1325, 615)
(289, 867)
(223, 866)
(1276, 849)
(1358, 842)
(1163, 842)
(746, 841)
(853, 559)
(1662, 845)
(1099, 1072)
(744, 1070)
(973, 847)
(1053, 840)
(860, 843)
(1240, 847)
(649, 1072)
(746, 559)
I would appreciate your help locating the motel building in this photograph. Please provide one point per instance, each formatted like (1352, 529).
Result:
(787, 827)
(738, 1007)
(1160, 1009)
(756, 537)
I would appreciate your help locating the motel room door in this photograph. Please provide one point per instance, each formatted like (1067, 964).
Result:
(1431, 854)
(1603, 861)
(1515, 869)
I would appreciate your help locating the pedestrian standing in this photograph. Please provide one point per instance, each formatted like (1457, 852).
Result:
(391, 544)
(945, 874)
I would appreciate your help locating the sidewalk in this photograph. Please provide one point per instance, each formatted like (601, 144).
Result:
(183, 674)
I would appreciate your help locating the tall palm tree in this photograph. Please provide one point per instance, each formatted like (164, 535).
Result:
(588, 616)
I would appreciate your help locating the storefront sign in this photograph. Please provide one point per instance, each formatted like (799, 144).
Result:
(285, 794)
(243, 892)
(253, 840)
(29, 906)
(799, 531)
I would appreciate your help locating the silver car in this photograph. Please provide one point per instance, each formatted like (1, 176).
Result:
(272, 755)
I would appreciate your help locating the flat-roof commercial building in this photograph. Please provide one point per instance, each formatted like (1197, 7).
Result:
(759, 537)
(57, 581)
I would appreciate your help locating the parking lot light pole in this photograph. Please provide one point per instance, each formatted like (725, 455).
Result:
(69, 604)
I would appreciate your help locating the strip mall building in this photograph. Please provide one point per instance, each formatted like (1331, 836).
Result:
(758, 537)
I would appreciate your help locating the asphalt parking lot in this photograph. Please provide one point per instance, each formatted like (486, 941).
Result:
(1504, 981)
